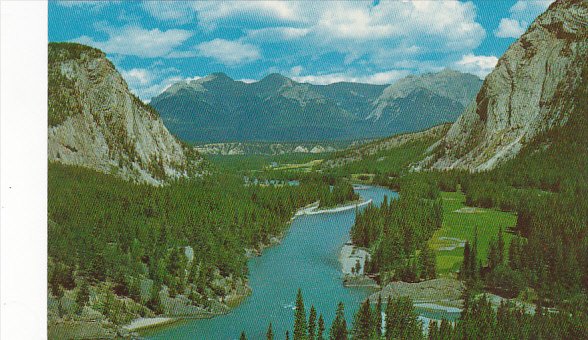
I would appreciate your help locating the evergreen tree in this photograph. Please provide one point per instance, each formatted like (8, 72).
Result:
(362, 325)
(270, 333)
(312, 323)
(357, 267)
(339, 325)
(300, 328)
(500, 247)
(445, 330)
(434, 331)
(287, 335)
(401, 320)
(243, 336)
(427, 263)
(473, 262)
(464, 270)
(154, 302)
(321, 328)
(83, 295)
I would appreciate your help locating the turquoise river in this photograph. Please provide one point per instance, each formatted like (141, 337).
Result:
(307, 259)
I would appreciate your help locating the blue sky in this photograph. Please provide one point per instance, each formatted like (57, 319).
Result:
(154, 44)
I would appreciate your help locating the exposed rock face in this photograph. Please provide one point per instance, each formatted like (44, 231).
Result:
(448, 89)
(524, 95)
(94, 121)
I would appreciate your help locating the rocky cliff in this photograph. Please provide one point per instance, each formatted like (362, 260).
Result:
(529, 92)
(94, 121)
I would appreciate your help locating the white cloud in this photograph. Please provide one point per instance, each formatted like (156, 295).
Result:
(387, 77)
(476, 64)
(229, 52)
(296, 70)
(137, 76)
(521, 14)
(356, 29)
(94, 5)
(137, 41)
(510, 28)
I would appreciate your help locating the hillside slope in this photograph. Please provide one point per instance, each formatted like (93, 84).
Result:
(530, 91)
(94, 121)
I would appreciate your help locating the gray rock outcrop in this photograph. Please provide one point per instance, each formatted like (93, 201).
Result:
(95, 122)
(523, 96)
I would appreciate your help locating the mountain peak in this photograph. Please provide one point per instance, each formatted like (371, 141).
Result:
(218, 76)
(275, 79)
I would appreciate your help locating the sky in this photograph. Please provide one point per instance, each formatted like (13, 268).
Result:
(155, 44)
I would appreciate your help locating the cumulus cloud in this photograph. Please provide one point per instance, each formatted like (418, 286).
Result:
(476, 64)
(94, 5)
(137, 76)
(380, 78)
(521, 14)
(356, 29)
(510, 28)
(148, 82)
(229, 52)
(137, 41)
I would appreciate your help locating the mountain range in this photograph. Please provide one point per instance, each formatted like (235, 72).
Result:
(217, 108)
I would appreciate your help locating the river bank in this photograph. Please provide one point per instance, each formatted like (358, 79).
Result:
(232, 302)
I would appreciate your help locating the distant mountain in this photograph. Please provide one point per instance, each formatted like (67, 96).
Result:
(538, 85)
(276, 108)
(95, 122)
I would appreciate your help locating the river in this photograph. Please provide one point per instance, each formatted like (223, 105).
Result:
(307, 258)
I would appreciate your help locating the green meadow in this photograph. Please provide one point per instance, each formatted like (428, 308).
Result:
(459, 225)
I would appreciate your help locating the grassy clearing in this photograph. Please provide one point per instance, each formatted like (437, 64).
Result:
(308, 166)
(459, 223)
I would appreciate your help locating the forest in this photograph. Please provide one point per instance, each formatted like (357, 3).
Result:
(397, 232)
(396, 318)
(115, 235)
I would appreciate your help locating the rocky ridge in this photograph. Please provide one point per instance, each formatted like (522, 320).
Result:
(96, 122)
(525, 95)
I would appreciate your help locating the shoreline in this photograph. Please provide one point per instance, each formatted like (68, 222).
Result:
(143, 324)
(345, 207)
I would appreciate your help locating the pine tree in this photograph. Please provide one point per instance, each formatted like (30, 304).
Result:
(427, 263)
(300, 329)
(445, 330)
(83, 295)
(500, 247)
(243, 336)
(312, 323)
(270, 333)
(464, 271)
(362, 326)
(287, 335)
(321, 328)
(401, 320)
(473, 262)
(339, 326)
(434, 331)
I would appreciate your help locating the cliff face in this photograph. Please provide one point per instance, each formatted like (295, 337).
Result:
(94, 121)
(524, 95)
